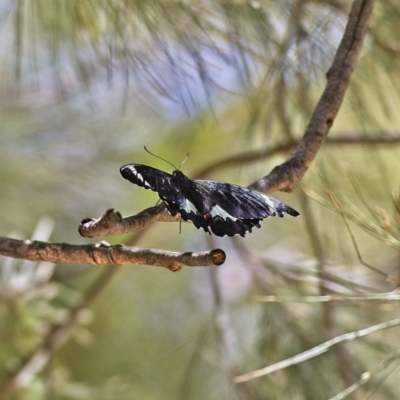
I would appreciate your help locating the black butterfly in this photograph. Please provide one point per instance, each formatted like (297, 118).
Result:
(220, 207)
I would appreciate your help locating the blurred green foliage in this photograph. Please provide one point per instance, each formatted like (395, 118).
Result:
(84, 86)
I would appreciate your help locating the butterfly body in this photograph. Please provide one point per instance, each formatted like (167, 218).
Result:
(220, 208)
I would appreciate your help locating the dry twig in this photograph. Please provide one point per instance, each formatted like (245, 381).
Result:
(103, 253)
(249, 157)
(111, 222)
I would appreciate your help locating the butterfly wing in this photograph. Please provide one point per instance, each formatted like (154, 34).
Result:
(232, 210)
(154, 179)
(233, 201)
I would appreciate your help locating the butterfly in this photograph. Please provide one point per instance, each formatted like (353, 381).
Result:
(220, 208)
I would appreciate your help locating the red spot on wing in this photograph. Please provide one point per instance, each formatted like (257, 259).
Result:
(207, 217)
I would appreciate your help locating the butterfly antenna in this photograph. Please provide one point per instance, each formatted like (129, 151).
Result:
(183, 162)
(162, 158)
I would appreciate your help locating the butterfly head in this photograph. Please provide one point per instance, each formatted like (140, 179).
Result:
(178, 174)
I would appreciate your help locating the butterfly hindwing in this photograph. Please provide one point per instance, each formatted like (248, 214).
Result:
(229, 227)
(233, 201)
(198, 220)
(233, 210)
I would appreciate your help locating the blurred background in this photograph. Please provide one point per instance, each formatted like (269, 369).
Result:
(84, 85)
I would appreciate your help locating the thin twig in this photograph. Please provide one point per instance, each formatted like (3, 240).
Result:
(337, 207)
(367, 376)
(245, 158)
(390, 296)
(347, 208)
(388, 277)
(316, 351)
(249, 157)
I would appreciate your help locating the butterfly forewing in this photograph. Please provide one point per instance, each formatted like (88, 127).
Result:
(154, 179)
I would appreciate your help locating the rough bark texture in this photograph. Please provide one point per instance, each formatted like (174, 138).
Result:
(111, 222)
(103, 253)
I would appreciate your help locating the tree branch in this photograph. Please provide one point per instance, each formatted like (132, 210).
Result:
(285, 177)
(103, 253)
(112, 223)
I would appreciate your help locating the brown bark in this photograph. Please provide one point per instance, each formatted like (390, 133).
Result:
(103, 253)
